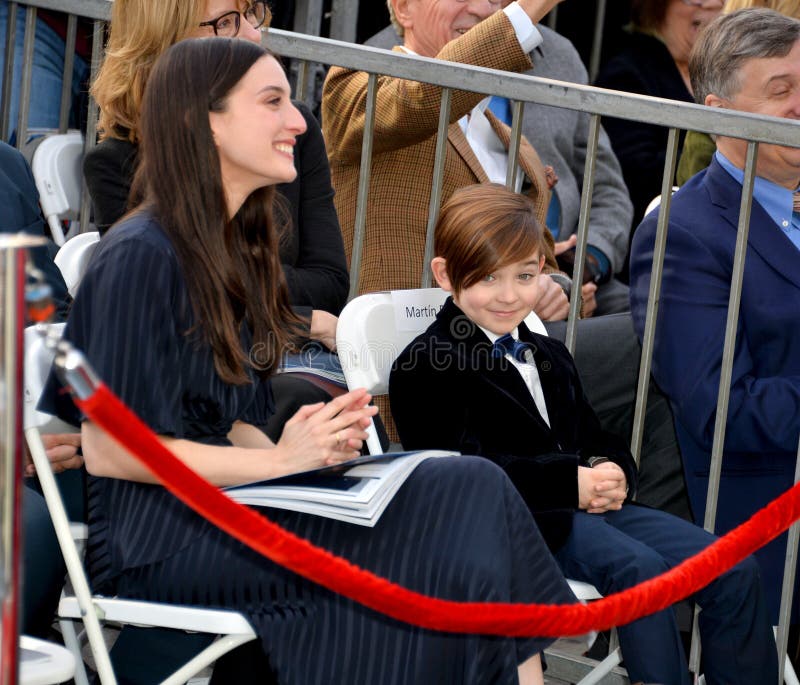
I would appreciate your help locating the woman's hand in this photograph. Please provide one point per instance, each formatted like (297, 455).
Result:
(62, 451)
(323, 328)
(325, 434)
(317, 435)
(602, 488)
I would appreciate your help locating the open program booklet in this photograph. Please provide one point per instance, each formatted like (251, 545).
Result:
(357, 491)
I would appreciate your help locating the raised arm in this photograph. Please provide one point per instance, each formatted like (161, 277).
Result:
(408, 111)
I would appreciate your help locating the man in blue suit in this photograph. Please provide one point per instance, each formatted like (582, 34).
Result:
(750, 61)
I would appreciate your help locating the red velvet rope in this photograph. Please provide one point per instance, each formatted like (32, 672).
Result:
(388, 598)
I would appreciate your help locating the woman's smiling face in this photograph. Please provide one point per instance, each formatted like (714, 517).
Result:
(256, 132)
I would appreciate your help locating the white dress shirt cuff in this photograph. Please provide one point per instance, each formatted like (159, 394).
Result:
(527, 33)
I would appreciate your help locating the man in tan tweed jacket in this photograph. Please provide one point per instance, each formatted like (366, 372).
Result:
(407, 114)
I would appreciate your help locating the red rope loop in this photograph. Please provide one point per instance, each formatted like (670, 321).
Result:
(377, 593)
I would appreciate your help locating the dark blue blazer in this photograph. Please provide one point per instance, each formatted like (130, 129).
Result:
(764, 412)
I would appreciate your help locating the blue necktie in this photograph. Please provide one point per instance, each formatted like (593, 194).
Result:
(501, 108)
(553, 218)
(506, 344)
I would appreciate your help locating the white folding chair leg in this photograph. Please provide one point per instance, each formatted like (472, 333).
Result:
(602, 669)
(73, 563)
(373, 441)
(789, 674)
(73, 644)
(205, 658)
(55, 230)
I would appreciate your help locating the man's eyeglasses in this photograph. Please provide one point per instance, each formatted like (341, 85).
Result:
(227, 25)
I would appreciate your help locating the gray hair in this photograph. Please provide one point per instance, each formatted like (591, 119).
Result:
(400, 30)
(733, 39)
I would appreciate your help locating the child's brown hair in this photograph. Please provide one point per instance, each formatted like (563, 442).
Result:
(482, 228)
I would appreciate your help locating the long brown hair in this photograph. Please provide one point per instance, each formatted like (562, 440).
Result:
(482, 228)
(231, 266)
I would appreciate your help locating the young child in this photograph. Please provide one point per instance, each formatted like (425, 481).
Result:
(479, 381)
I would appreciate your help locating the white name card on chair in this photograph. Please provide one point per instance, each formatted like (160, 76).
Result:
(415, 310)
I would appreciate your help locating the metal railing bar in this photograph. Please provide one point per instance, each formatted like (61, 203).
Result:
(344, 18)
(514, 145)
(649, 335)
(301, 87)
(787, 589)
(66, 77)
(90, 9)
(597, 39)
(728, 349)
(308, 17)
(583, 232)
(436, 188)
(729, 345)
(363, 185)
(658, 111)
(98, 42)
(8, 71)
(27, 76)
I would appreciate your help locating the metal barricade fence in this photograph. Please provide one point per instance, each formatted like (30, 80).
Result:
(597, 103)
(519, 89)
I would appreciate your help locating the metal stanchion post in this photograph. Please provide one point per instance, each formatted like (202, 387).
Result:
(12, 325)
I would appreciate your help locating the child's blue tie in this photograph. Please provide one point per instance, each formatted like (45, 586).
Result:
(506, 344)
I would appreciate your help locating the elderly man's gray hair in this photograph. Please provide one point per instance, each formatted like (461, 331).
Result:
(733, 39)
(400, 30)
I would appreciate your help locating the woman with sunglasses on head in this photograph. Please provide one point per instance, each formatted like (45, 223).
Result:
(175, 298)
(312, 252)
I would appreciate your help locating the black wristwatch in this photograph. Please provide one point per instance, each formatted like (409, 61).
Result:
(564, 281)
(591, 462)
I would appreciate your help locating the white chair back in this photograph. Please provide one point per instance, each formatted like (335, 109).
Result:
(375, 328)
(656, 201)
(38, 361)
(73, 258)
(56, 167)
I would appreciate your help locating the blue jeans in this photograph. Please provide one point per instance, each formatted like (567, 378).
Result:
(619, 549)
(48, 68)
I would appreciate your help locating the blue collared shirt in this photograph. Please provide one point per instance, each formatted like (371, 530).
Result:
(776, 200)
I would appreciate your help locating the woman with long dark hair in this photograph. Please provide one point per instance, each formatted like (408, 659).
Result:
(311, 247)
(184, 313)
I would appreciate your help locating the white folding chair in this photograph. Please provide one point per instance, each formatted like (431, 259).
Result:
(372, 331)
(43, 663)
(56, 167)
(232, 627)
(656, 201)
(73, 257)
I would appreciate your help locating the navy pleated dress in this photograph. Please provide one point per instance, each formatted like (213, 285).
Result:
(457, 529)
